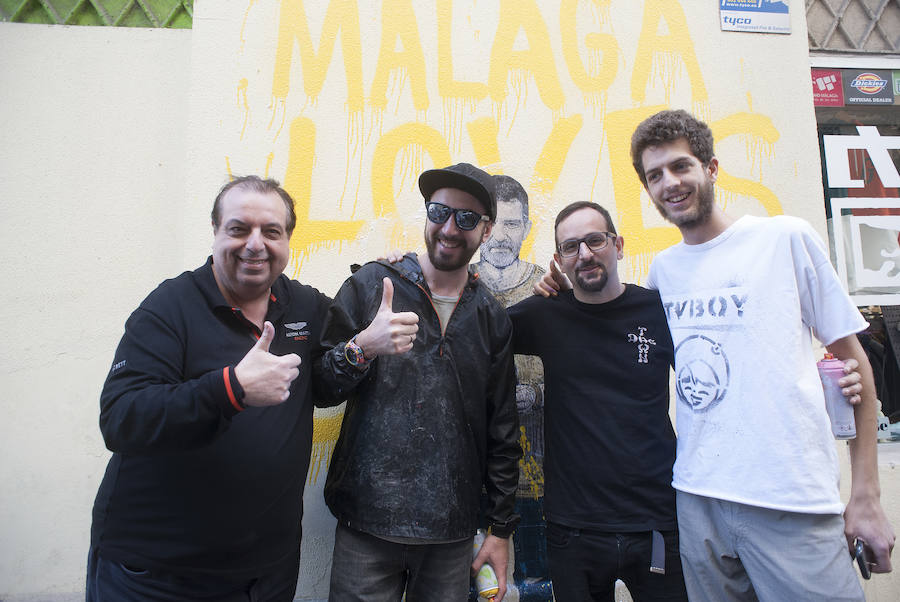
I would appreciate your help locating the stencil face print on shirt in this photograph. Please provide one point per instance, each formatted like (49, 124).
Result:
(703, 373)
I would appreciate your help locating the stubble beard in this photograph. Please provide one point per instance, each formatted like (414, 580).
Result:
(706, 199)
(447, 265)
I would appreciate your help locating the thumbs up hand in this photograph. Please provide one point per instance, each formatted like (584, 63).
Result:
(389, 333)
(266, 378)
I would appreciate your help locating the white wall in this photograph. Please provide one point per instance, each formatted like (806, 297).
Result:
(92, 175)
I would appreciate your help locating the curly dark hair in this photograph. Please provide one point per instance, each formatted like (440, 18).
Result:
(668, 126)
(256, 184)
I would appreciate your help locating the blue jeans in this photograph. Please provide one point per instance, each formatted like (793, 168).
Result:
(112, 581)
(530, 541)
(366, 568)
(585, 564)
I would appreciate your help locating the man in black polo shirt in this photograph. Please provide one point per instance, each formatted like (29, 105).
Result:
(208, 412)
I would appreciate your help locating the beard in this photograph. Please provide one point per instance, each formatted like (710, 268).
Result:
(499, 255)
(699, 214)
(447, 263)
(594, 285)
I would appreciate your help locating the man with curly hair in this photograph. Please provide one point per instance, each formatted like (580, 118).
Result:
(756, 473)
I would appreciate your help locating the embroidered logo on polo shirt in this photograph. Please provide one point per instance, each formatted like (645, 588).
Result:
(643, 344)
(296, 331)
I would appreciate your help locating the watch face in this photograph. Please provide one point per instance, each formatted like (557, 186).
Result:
(354, 354)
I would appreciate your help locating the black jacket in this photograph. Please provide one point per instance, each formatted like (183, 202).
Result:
(425, 430)
(195, 486)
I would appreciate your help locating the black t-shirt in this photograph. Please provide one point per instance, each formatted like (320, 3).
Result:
(609, 441)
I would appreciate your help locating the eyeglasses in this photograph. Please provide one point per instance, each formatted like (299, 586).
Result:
(596, 241)
(439, 213)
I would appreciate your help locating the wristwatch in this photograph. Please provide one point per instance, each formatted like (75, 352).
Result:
(354, 355)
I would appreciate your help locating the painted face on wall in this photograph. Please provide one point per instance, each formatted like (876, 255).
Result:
(679, 185)
(588, 270)
(250, 248)
(449, 247)
(510, 230)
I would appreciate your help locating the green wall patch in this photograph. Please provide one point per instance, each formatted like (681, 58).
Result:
(177, 14)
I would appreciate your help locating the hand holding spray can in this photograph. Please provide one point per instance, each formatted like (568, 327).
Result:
(486, 583)
(840, 411)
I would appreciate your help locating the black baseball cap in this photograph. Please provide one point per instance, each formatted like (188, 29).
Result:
(465, 177)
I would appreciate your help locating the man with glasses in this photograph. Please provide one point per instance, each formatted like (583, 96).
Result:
(610, 446)
(422, 351)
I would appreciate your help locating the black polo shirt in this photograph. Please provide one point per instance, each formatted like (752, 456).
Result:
(197, 484)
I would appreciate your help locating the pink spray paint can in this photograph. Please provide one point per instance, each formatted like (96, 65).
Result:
(840, 411)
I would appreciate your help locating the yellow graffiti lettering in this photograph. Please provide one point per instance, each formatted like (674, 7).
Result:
(530, 471)
(398, 24)
(603, 45)
(659, 51)
(757, 127)
(384, 160)
(309, 234)
(521, 49)
(550, 164)
(341, 15)
(243, 104)
(553, 155)
(483, 133)
(326, 428)
(447, 86)
(516, 16)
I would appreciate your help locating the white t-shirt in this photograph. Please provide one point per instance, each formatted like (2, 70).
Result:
(751, 418)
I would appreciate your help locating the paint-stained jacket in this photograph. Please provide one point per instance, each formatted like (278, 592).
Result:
(423, 431)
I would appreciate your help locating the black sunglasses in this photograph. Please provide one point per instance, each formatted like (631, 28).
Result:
(439, 213)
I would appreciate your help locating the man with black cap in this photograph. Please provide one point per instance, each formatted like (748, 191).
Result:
(422, 352)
